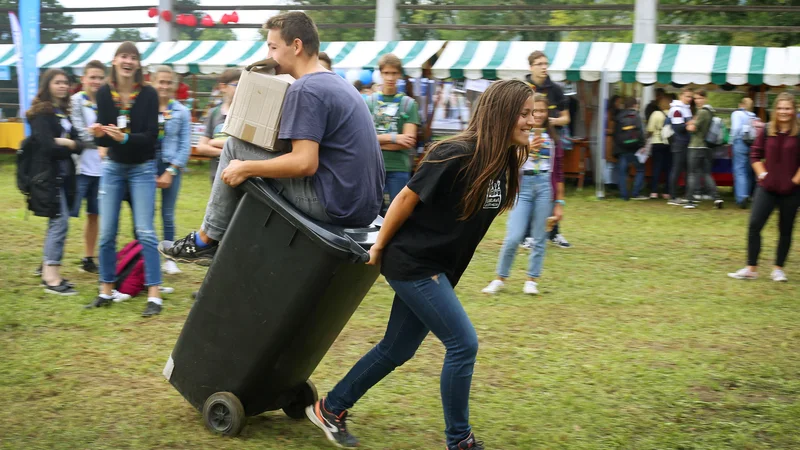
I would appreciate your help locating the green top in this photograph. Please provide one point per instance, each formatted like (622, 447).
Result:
(702, 122)
(390, 114)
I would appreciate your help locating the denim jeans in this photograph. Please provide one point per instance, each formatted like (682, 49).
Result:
(662, 163)
(678, 166)
(625, 160)
(701, 161)
(224, 199)
(420, 306)
(528, 218)
(57, 228)
(140, 181)
(395, 182)
(169, 197)
(86, 187)
(743, 177)
(764, 203)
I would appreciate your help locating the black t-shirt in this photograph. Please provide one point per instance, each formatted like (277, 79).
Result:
(433, 240)
(555, 96)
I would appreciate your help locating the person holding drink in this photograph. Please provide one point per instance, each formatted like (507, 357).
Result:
(541, 181)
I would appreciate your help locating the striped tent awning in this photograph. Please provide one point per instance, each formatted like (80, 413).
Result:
(365, 55)
(7, 56)
(571, 61)
(699, 64)
(75, 56)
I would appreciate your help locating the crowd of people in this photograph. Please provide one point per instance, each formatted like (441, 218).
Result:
(351, 159)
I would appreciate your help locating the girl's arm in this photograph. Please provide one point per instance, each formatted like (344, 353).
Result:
(401, 208)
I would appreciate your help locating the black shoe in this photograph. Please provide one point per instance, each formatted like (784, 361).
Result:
(62, 289)
(88, 265)
(99, 302)
(38, 271)
(719, 203)
(186, 250)
(63, 281)
(335, 427)
(152, 309)
(468, 443)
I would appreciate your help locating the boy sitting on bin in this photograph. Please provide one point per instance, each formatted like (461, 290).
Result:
(334, 173)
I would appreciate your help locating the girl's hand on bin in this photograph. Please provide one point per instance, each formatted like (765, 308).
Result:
(375, 256)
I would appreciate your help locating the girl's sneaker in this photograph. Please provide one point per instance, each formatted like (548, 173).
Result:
(61, 289)
(494, 287)
(531, 288)
(744, 274)
(170, 267)
(779, 275)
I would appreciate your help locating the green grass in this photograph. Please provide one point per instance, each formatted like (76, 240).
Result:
(638, 341)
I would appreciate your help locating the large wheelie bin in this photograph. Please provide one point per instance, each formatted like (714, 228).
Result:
(279, 291)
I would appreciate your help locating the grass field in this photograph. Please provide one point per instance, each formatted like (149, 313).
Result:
(638, 341)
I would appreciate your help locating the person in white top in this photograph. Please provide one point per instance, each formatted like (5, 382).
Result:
(662, 155)
(84, 113)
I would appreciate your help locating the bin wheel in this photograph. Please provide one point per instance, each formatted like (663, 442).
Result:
(306, 396)
(223, 413)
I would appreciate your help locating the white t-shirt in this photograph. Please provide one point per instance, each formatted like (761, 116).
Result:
(90, 164)
(543, 157)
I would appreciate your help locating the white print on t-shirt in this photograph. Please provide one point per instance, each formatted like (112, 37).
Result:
(493, 196)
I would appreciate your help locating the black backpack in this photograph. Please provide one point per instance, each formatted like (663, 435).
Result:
(629, 134)
(25, 165)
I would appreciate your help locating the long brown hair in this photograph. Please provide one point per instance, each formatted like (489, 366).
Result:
(772, 128)
(551, 130)
(44, 103)
(495, 117)
(129, 48)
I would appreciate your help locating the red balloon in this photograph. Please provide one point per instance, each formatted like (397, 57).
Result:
(191, 20)
(207, 21)
(166, 16)
(225, 19)
(152, 12)
(234, 18)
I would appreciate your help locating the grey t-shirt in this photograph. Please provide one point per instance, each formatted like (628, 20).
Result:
(214, 124)
(324, 108)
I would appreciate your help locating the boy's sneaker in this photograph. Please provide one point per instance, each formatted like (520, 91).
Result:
(779, 275)
(530, 288)
(335, 427)
(170, 268)
(152, 309)
(527, 243)
(186, 250)
(494, 287)
(470, 443)
(719, 203)
(560, 241)
(744, 274)
(88, 265)
(61, 289)
(676, 202)
(639, 197)
(690, 205)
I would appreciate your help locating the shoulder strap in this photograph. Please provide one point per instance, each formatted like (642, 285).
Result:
(408, 101)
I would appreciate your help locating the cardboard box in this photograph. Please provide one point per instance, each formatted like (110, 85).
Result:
(255, 113)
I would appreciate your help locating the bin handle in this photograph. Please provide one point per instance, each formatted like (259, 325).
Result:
(361, 256)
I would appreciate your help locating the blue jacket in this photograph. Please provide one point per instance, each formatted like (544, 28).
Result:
(176, 147)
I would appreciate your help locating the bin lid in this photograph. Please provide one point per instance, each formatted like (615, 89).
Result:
(352, 243)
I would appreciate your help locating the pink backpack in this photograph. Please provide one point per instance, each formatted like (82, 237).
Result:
(130, 269)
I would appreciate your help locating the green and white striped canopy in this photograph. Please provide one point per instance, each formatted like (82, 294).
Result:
(571, 61)
(700, 64)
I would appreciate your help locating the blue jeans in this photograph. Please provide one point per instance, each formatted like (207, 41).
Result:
(625, 160)
(420, 306)
(169, 197)
(528, 218)
(742, 171)
(57, 228)
(140, 181)
(395, 182)
(86, 187)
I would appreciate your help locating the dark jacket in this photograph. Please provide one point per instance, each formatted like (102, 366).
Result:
(52, 166)
(143, 125)
(555, 96)
(782, 160)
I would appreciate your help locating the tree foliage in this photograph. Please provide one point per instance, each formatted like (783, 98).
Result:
(127, 34)
(45, 34)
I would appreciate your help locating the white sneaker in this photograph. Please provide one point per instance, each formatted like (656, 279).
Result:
(170, 268)
(744, 274)
(530, 288)
(494, 287)
(778, 275)
(118, 296)
(528, 243)
(166, 290)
